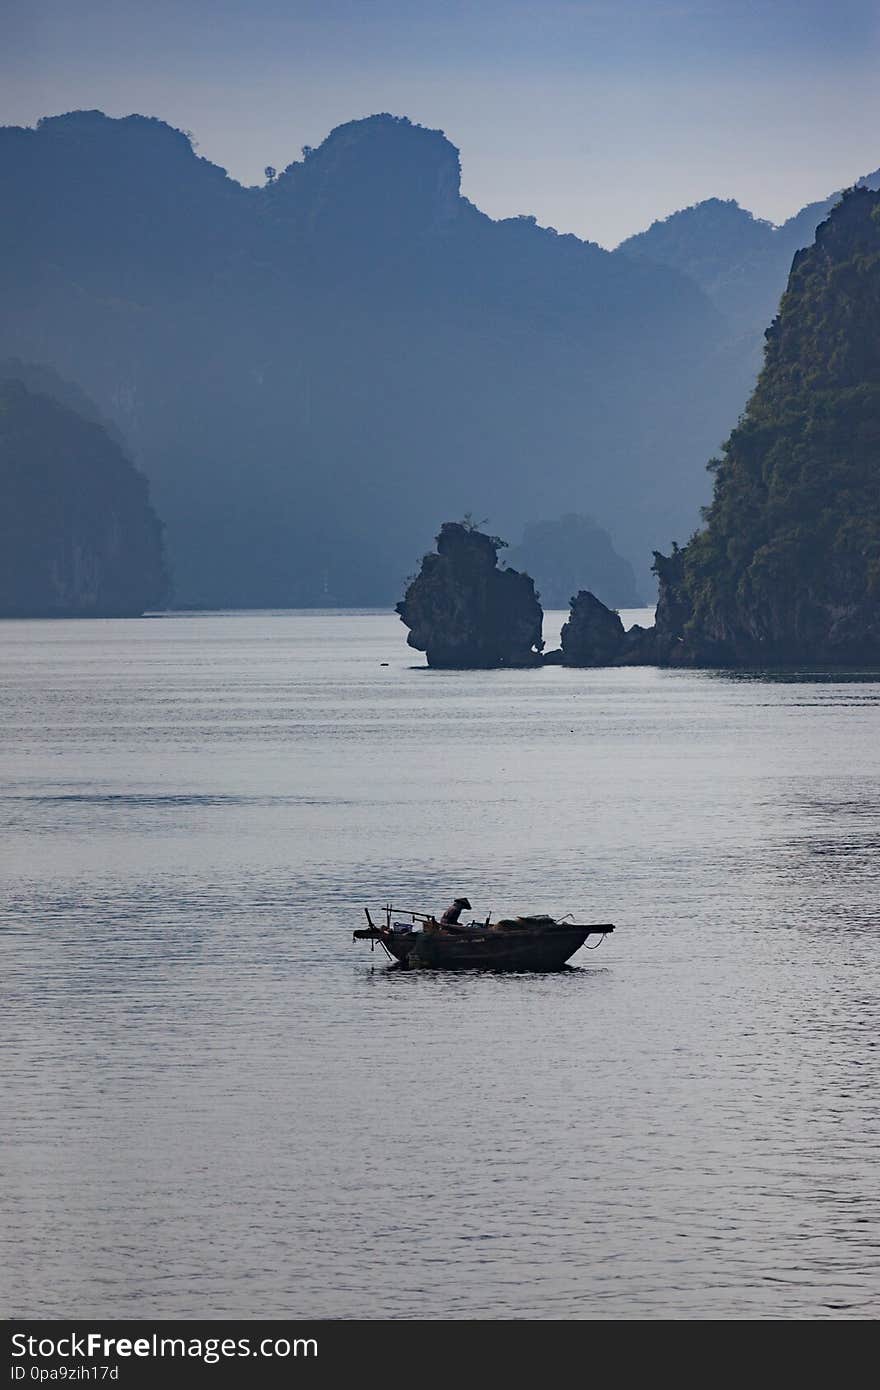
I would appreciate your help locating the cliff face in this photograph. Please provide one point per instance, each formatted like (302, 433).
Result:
(787, 567)
(462, 610)
(78, 537)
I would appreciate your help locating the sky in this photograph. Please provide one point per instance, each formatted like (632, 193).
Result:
(595, 116)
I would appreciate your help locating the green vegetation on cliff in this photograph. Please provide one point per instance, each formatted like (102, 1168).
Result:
(787, 566)
(78, 536)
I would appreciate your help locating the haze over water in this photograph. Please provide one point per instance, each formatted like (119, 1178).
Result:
(220, 1106)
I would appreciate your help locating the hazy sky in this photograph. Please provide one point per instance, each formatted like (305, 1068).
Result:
(595, 115)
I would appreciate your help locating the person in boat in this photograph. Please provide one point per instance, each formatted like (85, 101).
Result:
(451, 915)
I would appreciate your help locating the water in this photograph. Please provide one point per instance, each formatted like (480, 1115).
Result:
(217, 1105)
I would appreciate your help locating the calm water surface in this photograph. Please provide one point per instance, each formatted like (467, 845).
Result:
(217, 1105)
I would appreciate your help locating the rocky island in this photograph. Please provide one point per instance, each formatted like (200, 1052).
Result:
(78, 537)
(463, 610)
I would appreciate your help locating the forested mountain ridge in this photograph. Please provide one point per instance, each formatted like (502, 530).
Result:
(78, 537)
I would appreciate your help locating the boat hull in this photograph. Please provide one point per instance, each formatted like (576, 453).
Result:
(523, 944)
(488, 950)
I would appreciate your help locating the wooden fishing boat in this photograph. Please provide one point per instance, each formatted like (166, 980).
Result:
(521, 943)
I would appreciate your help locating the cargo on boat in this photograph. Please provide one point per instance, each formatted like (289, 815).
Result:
(516, 943)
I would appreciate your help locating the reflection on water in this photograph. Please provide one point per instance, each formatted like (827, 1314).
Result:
(799, 675)
(220, 1105)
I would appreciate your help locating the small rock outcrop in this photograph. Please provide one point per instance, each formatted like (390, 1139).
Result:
(593, 635)
(78, 537)
(463, 611)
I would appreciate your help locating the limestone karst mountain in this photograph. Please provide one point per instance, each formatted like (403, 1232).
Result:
(786, 568)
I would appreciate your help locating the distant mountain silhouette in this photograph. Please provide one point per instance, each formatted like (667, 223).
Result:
(41, 380)
(570, 554)
(739, 260)
(310, 373)
(78, 537)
